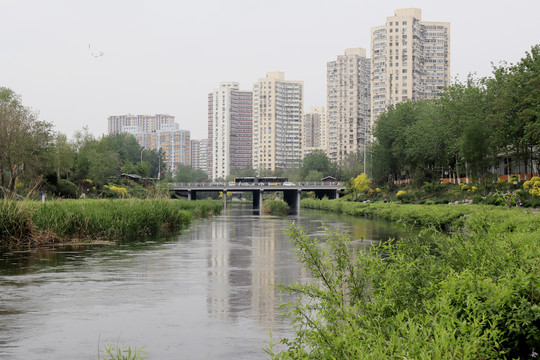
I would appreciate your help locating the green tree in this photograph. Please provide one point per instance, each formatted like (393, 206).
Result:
(24, 140)
(62, 156)
(352, 165)
(185, 173)
(316, 160)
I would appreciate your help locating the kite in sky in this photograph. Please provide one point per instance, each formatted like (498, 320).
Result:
(101, 53)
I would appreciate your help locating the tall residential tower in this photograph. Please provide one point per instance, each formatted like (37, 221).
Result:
(314, 130)
(278, 107)
(229, 129)
(348, 96)
(410, 59)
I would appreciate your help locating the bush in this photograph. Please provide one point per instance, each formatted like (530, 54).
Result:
(67, 189)
(275, 207)
(467, 295)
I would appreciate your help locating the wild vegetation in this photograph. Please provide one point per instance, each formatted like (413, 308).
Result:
(275, 207)
(30, 222)
(472, 292)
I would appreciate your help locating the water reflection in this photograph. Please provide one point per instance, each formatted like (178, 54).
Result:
(206, 293)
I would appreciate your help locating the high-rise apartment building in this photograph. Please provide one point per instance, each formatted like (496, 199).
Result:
(410, 59)
(174, 142)
(278, 107)
(116, 123)
(229, 129)
(199, 154)
(314, 129)
(348, 97)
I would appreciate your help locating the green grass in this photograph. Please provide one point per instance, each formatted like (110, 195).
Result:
(438, 216)
(28, 222)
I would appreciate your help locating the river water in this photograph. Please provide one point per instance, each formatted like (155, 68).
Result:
(205, 293)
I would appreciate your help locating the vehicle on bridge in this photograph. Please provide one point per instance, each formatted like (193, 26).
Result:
(254, 180)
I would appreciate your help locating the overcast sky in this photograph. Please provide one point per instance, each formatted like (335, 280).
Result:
(165, 56)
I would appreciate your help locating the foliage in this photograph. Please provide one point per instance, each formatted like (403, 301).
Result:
(115, 352)
(360, 185)
(315, 161)
(24, 140)
(15, 222)
(185, 173)
(464, 130)
(117, 191)
(32, 222)
(533, 186)
(472, 294)
(66, 188)
(353, 165)
(275, 207)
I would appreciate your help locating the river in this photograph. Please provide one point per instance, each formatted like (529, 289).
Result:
(205, 293)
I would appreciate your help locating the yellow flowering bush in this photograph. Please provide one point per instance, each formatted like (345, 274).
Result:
(533, 186)
(120, 191)
(401, 193)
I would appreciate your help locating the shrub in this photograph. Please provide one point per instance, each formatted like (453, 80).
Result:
(472, 295)
(275, 207)
(66, 188)
(533, 186)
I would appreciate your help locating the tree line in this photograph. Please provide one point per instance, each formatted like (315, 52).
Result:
(35, 157)
(467, 130)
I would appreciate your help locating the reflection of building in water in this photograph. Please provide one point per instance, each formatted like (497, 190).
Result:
(264, 275)
(247, 258)
(230, 267)
(218, 273)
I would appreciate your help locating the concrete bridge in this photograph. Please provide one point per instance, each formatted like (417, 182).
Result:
(291, 192)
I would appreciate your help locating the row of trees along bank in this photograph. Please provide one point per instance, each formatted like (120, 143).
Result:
(466, 130)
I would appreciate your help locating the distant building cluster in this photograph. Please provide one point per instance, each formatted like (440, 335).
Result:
(154, 132)
(266, 128)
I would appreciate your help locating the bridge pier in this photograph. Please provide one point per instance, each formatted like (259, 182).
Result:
(257, 201)
(330, 194)
(292, 198)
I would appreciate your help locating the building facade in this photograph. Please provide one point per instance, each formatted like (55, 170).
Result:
(199, 154)
(116, 123)
(410, 59)
(173, 141)
(314, 130)
(349, 106)
(277, 122)
(229, 129)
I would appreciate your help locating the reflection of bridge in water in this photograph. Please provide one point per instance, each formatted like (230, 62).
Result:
(291, 193)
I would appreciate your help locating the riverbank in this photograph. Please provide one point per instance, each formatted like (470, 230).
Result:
(469, 293)
(31, 223)
(441, 217)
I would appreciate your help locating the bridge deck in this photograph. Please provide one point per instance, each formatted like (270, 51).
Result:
(303, 186)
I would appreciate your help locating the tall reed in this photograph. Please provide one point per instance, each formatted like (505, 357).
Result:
(96, 219)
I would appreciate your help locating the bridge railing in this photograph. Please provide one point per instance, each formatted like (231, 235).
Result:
(222, 184)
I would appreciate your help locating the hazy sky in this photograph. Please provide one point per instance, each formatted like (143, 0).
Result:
(165, 56)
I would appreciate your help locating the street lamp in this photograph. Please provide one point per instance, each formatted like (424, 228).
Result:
(142, 152)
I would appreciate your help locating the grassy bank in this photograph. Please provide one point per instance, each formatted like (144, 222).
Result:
(470, 294)
(440, 217)
(30, 222)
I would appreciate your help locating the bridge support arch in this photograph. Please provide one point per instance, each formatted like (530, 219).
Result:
(292, 198)
(257, 201)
